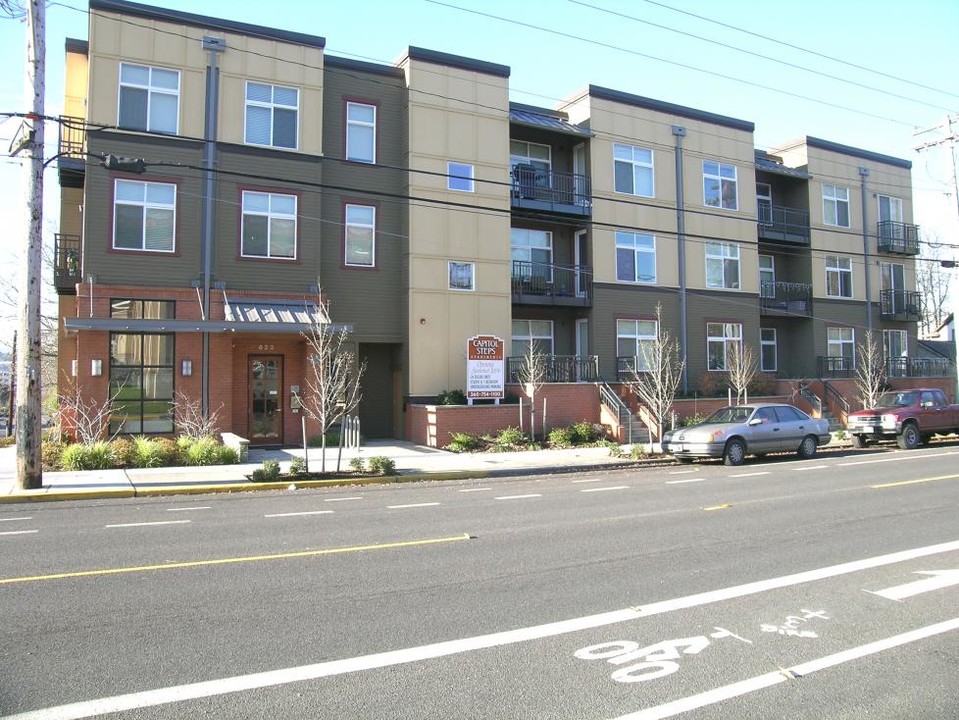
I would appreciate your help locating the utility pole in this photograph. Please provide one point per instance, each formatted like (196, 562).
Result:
(29, 469)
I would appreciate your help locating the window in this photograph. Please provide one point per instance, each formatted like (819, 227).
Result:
(538, 333)
(764, 203)
(460, 176)
(360, 132)
(767, 276)
(895, 349)
(144, 216)
(722, 265)
(720, 337)
(767, 350)
(719, 185)
(636, 341)
(141, 371)
(838, 276)
(461, 275)
(890, 209)
(635, 257)
(269, 225)
(149, 99)
(841, 343)
(633, 170)
(835, 205)
(360, 235)
(892, 295)
(527, 153)
(271, 113)
(532, 253)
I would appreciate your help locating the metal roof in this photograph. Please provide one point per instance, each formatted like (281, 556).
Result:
(771, 166)
(548, 122)
(289, 312)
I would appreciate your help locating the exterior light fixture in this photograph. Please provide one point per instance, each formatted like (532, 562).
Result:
(96, 367)
(186, 368)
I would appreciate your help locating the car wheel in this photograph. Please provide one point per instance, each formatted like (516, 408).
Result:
(734, 453)
(909, 437)
(859, 441)
(807, 448)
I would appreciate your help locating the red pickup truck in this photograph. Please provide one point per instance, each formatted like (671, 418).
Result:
(909, 417)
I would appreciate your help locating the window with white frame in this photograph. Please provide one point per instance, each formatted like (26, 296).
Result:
(538, 333)
(841, 343)
(271, 115)
(636, 343)
(268, 226)
(764, 203)
(459, 176)
(720, 338)
(895, 349)
(633, 170)
(719, 185)
(635, 257)
(722, 265)
(144, 216)
(890, 209)
(768, 360)
(461, 275)
(360, 224)
(835, 205)
(360, 132)
(767, 276)
(149, 99)
(532, 253)
(528, 153)
(838, 276)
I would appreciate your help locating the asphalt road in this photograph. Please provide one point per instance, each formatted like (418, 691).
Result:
(778, 589)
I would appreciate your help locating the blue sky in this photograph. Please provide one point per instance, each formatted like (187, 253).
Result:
(645, 47)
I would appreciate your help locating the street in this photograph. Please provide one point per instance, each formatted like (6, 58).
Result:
(826, 588)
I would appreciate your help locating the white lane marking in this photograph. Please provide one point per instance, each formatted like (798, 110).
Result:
(303, 512)
(812, 467)
(687, 480)
(189, 509)
(938, 579)
(682, 472)
(752, 474)
(342, 499)
(587, 480)
(759, 682)
(144, 524)
(15, 519)
(518, 497)
(604, 489)
(411, 505)
(898, 457)
(223, 686)
(475, 489)
(19, 532)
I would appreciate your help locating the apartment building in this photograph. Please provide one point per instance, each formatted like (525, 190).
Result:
(425, 208)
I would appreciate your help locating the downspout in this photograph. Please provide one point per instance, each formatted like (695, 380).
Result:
(212, 45)
(863, 174)
(680, 132)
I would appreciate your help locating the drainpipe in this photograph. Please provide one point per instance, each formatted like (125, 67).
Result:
(863, 174)
(680, 132)
(212, 45)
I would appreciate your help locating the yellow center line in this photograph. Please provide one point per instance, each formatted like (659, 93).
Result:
(724, 506)
(226, 561)
(914, 482)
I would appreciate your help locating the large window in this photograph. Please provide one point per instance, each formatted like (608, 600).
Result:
(527, 153)
(719, 185)
(538, 333)
(890, 209)
(149, 99)
(633, 170)
(835, 205)
(720, 338)
(635, 257)
(360, 132)
(841, 343)
(141, 370)
(767, 276)
(271, 114)
(532, 253)
(768, 360)
(360, 235)
(269, 225)
(636, 339)
(895, 349)
(144, 216)
(722, 265)
(838, 276)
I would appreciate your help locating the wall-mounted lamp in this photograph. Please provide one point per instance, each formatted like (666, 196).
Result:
(96, 367)
(73, 368)
(186, 368)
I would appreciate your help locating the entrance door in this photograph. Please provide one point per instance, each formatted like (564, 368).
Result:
(266, 401)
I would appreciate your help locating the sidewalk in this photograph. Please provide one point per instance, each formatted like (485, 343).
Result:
(413, 462)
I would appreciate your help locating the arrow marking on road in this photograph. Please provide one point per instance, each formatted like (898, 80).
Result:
(937, 579)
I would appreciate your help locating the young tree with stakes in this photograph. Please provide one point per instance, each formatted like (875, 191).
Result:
(532, 374)
(742, 368)
(655, 383)
(870, 371)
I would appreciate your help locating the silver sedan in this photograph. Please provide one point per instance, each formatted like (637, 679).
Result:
(736, 431)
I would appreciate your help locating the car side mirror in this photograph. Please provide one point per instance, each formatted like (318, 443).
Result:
(756, 421)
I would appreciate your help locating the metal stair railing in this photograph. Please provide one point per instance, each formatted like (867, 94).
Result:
(833, 396)
(614, 403)
(812, 398)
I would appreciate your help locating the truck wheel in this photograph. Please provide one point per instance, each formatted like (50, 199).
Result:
(859, 441)
(909, 437)
(807, 448)
(734, 453)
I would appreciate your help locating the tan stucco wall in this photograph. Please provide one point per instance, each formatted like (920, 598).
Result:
(75, 85)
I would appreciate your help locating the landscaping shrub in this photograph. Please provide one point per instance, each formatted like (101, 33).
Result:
(124, 452)
(713, 383)
(585, 433)
(204, 451)
(462, 442)
(96, 456)
(382, 465)
(511, 438)
(638, 452)
(148, 453)
(227, 455)
(7, 441)
(562, 437)
(269, 471)
(298, 467)
(690, 420)
(50, 451)
(357, 464)
(168, 450)
(451, 397)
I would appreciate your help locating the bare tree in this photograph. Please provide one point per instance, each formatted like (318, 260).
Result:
(532, 374)
(190, 420)
(333, 377)
(870, 374)
(742, 366)
(88, 419)
(933, 284)
(656, 377)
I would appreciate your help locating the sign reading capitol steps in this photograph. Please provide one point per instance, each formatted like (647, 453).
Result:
(485, 367)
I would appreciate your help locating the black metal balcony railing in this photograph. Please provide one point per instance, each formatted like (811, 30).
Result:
(546, 284)
(559, 368)
(900, 304)
(72, 151)
(785, 298)
(784, 224)
(919, 367)
(538, 189)
(835, 366)
(898, 237)
(66, 268)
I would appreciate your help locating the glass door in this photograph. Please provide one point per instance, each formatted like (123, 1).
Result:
(266, 401)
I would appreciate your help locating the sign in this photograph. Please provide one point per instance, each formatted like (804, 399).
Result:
(485, 367)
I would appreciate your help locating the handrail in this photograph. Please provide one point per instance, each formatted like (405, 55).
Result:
(812, 398)
(837, 397)
(614, 403)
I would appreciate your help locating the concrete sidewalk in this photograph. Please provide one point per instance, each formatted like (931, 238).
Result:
(413, 462)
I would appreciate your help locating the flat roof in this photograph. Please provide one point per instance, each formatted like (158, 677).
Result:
(457, 61)
(846, 150)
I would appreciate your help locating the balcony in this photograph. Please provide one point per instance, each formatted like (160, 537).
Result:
(559, 368)
(72, 152)
(66, 267)
(900, 305)
(920, 367)
(835, 366)
(898, 238)
(534, 188)
(783, 224)
(785, 299)
(543, 284)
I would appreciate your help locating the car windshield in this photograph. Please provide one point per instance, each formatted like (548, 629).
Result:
(729, 415)
(898, 399)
